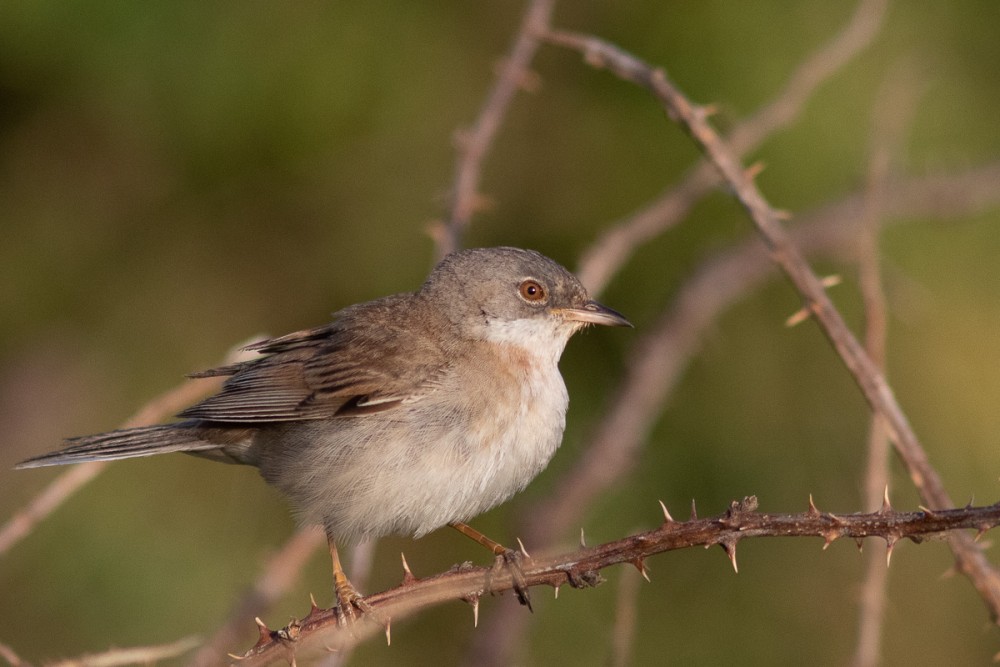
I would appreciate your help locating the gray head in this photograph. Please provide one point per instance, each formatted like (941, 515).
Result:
(513, 295)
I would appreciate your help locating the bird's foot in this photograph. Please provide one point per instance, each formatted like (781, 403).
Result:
(511, 560)
(350, 604)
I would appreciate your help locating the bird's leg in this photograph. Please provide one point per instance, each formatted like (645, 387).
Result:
(348, 597)
(505, 558)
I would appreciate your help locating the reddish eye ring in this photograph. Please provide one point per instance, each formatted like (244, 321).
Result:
(532, 291)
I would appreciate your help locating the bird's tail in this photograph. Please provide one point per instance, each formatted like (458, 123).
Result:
(128, 443)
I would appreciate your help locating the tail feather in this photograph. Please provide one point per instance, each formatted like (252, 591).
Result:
(124, 444)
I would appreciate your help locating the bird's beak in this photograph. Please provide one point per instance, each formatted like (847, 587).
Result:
(594, 313)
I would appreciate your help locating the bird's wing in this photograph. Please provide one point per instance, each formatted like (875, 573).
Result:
(370, 359)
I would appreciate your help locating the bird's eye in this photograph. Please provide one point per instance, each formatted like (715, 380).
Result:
(532, 291)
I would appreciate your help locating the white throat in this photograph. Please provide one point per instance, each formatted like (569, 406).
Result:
(544, 338)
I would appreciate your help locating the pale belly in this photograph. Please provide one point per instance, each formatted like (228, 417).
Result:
(403, 471)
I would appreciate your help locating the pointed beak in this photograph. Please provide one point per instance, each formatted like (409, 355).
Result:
(594, 313)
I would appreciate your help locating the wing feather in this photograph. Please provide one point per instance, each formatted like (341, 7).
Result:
(361, 363)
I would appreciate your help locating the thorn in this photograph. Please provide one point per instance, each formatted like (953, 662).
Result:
(640, 565)
(798, 317)
(523, 550)
(730, 549)
(666, 514)
(388, 632)
(886, 505)
(753, 171)
(983, 529)
(593, 58)
(236, 657)
(313, 607)
(971, 501)
(694, 510)
(829, 536)
(783, 215)
(408, 577)
(435, 229)
(860, 542)
(813, 510)
(928, 511)
(950, 572)
(831, 280)
(890, 542)
(475, 611)
(556, 589)
(265, 632)
(583, 541)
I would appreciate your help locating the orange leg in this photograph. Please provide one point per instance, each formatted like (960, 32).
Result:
(470, 532)
(348, 597)
(505, 558)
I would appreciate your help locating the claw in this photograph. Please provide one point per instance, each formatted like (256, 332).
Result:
(350, 603)
(511, 561)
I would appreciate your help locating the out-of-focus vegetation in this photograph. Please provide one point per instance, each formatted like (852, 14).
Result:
(178, 177)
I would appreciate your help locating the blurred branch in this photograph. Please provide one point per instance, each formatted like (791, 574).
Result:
(140, 655)
(693, 119)
(894, 108)
(41, 506)
(626, 616)
(614, 247)
(11, 657)
(581, 568)
(67, 483)
(473, 143)
(279, 574)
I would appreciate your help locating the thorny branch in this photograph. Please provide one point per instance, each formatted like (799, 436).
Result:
(694, 119)
(581, 568)
(136, 655)
(475, 142)
(614, 247)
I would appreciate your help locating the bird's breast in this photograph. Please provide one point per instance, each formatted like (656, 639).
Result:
(515, 422)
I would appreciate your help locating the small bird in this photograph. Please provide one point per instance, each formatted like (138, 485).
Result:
(405, 414)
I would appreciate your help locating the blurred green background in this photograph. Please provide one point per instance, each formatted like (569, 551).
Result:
(179, 177)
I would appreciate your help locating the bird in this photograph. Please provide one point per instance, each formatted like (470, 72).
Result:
(403, 414)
